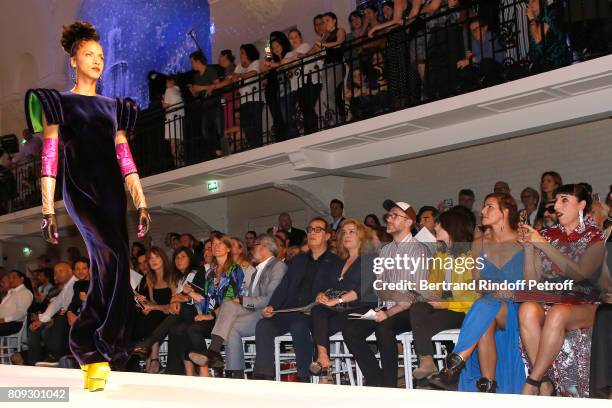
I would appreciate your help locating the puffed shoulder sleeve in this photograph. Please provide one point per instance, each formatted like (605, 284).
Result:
(43, 101)
(127, 112)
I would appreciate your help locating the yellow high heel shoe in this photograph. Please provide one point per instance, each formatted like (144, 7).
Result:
(84, 369)
(97, 374)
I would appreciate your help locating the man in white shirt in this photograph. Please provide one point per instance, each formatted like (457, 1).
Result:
(14, 306)
(51, 327)
(238, 318)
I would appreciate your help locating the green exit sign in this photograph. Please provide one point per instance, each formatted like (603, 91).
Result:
(213, 186)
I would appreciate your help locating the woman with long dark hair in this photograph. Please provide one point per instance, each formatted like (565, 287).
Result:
(454, 234)
(277, 86)
(487, 357)
(97, 162)
(571, 250)
(223, 282)
(154, 295)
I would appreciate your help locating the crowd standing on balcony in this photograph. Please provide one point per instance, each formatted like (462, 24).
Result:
(394, 55)
(225, 289)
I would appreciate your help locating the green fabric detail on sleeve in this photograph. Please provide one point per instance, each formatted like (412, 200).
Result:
(35, 111)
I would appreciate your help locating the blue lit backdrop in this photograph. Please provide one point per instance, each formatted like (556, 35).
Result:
(143, 35)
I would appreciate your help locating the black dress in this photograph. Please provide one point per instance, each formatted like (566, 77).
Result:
(94, 196)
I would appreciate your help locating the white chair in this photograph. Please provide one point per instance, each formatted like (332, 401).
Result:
(441, 352)
(248, 343)
(341, 359)
(11, 344)
(280, 357)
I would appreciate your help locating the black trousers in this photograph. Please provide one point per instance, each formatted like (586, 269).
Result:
(355, 334)
(307, 98)
(601, 356)
(6, 329)
(250, 122)
(52, 340)
(426, 322)
(325, 323)
(196, 335)
(212, 128)
(267, 329)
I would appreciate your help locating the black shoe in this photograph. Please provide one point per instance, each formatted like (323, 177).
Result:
(486, 385)
(448, 378)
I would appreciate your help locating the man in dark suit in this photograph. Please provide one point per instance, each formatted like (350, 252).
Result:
(296, 235)
(297, 289)
(238, 318)
(336, 210)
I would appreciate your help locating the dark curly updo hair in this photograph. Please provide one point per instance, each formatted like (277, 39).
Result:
(77, 32)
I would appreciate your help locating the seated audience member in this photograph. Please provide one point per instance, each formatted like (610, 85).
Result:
(394, 317)
(550, 181)
(14, 306)
(559, 257)
(501, 187)
(482, 63)
(455, 235)
(336, 210)
(48, 332)
(135, 251)
(340, 292)
(239, 255)
(282, 248)
(546, 38)
(180, 315)
(249, 241)
(224, 283)
(371, 220)
(79, 289)
(530, 199)
(29, 150)
(238, 318)
(154, 295)
(4, 284)
(296, 290)
(196, 247)
(43, 279)
(296, 235)
(487, 357)
(549, 217)
(426, 218)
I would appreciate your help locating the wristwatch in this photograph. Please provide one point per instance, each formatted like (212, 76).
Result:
(340, 301)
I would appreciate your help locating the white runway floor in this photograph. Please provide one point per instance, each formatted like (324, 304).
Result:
(149, 391)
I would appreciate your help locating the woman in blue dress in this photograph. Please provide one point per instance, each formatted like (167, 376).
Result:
(487, 356)
(96, 162)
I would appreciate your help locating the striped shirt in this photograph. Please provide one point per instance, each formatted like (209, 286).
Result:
(409, 265)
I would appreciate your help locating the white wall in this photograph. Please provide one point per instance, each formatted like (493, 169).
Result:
(30, 55)
(579, 153)
(236, 23)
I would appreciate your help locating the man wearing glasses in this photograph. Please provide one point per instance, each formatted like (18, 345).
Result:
(393, 317)
(297, 289)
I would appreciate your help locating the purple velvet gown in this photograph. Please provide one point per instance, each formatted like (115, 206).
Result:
(94, 196)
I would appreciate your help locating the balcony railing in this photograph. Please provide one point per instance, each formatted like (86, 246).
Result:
(454, 51)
